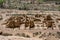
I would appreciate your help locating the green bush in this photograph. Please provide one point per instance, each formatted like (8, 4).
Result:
(59, 8)
(40, 1)
(1, 1)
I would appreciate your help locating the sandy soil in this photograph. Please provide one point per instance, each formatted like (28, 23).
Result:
(3, 29)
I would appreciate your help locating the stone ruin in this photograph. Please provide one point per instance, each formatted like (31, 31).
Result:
(28, 21)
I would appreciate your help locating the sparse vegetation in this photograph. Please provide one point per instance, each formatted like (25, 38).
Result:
(59, 8)
(1, 3)
(35, 34)
(1, 17)
(58, 34)
(18, 34)
(23, 34)
(27, 36)
(28, 5)
(6, 34)
(48, 17)
(41, 1)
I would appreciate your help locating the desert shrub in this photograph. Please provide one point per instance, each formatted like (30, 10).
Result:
(23, 34)
(48, 17)
(0, 33)
(35, 34)
(6, 34)
(41, 1)
(58, 34)
(27, 36)
(39, 32)
(24, 7)
(52, 0)
(59, 8)
(1, 17)
(53, 34)
(18, 34)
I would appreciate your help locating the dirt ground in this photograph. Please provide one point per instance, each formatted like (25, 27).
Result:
(37, 33)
